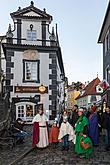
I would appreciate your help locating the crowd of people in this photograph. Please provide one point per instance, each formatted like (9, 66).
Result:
(81, 127)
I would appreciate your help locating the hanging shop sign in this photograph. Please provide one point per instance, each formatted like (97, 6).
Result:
(34, 99)
(29, 89)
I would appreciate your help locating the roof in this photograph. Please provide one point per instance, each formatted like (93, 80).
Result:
(104, 28)
(25, 13)
(90, 89)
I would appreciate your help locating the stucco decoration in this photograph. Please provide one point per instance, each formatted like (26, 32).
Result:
(31, 14)
(31, 55)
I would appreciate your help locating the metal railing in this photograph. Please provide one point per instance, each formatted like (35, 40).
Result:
(38, 42)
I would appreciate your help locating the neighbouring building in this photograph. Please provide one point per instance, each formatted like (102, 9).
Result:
(91, 94)
(104, 39)
(33, 64)
(72, 92)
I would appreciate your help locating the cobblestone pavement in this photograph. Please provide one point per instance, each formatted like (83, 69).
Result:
(51, 156)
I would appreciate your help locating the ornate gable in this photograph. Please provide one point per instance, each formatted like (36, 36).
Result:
(32, 12)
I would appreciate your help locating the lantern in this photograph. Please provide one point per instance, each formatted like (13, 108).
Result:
(42, 88)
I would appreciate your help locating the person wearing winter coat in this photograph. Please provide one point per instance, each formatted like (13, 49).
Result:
(53, 135)
(106, 127)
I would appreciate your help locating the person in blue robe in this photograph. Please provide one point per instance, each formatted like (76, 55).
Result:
(93, 127)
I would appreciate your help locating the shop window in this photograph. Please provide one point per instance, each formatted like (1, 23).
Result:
(31, 71)
(29, 110)
(20, 111)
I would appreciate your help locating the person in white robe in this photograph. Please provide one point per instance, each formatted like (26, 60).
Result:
(42, 120)
(66, 134)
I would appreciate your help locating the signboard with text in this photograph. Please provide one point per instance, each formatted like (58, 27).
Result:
(28, 89)
(34, 99)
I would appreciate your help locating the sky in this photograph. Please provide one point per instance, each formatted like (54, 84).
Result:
(79, 23)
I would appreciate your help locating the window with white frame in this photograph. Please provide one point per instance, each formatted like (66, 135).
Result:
(31, 71)
(25, 111)
(31, 35)
(20, 111)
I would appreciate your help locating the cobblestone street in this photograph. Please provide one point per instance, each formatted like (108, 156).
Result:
(55, 82)
(51, 156)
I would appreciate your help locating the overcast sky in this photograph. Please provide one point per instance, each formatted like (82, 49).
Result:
(79, 23)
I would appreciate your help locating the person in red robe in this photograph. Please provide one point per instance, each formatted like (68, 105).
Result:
(53, 135)
(35, 138)
(40, 132)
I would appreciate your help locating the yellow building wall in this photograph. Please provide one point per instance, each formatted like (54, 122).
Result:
(71, 99)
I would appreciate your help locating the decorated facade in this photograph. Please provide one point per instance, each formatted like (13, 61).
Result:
(33, 64)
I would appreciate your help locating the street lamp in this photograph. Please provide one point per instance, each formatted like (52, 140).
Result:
(62, 76)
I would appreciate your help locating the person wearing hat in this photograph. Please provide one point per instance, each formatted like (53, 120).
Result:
(40, 131)
(81, 130)
(53, 134)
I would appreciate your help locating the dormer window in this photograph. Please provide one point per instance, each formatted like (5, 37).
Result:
(99, 89)
(31, 35)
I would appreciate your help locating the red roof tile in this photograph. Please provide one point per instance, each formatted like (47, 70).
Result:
(90, 89)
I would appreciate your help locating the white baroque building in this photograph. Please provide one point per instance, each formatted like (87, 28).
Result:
(33, 58)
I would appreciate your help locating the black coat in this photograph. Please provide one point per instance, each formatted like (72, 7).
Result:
(74, 118)
(106, 120)
(17, 127)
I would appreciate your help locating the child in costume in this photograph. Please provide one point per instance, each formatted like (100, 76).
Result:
(87, 147)
(53, 135)
(66, 133)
